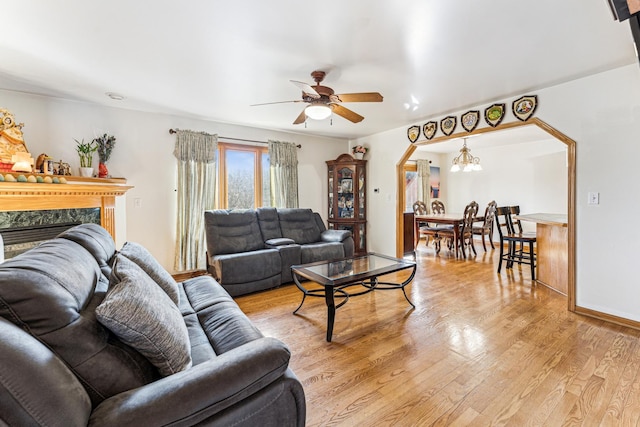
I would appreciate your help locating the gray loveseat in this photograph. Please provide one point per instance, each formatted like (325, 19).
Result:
(253, 250)
(61, 366)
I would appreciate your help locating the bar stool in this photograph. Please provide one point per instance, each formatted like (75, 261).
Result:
(512, 237)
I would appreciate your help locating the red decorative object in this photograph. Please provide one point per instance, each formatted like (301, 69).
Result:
(103, 172)
(5, 167)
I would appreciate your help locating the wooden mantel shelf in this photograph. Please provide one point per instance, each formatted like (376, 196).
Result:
(77, 193)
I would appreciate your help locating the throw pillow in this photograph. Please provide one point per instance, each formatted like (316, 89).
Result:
(141, 256)
(138, 312)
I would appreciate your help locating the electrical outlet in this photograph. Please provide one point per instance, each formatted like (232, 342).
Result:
(593, 198)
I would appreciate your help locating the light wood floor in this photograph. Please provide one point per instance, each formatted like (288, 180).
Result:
(479, 349)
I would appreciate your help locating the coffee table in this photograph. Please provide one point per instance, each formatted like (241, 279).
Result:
(336, 276)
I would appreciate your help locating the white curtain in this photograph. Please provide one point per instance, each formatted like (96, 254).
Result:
(283, 159)
(196, 154)
(424, 185)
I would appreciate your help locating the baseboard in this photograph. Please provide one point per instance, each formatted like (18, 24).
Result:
(608, 317)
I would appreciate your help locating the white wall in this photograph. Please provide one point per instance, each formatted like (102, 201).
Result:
(144, 155)
(532, 175)
(602, 114)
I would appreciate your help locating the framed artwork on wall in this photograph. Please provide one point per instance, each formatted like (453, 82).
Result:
(434, 181)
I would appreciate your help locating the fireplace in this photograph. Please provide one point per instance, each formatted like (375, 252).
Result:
(22, 230)
(38, 206)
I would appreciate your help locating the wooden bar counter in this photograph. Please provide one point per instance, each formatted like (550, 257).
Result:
(552, 249)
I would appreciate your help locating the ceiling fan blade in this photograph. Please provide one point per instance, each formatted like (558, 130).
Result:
(360, 97)
(307, 89)
(301, 118)
(278, 102)
(346, 113)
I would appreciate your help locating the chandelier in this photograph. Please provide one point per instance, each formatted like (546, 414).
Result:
(465, 160)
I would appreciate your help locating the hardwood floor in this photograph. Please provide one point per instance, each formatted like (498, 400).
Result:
(480, 349)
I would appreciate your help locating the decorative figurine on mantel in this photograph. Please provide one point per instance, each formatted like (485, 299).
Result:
(105, 144)
(11, 140)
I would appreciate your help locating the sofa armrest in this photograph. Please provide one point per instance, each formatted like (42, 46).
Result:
(282, 241)
(198, 393)
(335, 235)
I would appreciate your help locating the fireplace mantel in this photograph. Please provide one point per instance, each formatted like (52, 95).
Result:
(77, 193)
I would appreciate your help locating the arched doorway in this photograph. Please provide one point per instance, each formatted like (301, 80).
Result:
(571, 191)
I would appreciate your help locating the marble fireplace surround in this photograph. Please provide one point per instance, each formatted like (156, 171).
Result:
(78, 198)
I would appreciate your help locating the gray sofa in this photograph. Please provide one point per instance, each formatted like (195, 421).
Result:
(61, 366)
(253, 250)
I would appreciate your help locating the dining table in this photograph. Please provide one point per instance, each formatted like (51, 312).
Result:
(454, 219)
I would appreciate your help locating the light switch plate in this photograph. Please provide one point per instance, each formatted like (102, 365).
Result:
(593, 198)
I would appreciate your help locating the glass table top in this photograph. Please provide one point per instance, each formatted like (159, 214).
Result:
(339, 270)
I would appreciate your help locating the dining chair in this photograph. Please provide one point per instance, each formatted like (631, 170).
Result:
(512, 237)
(465, 231)
(424, 229)
(487, 225)
(437, 207)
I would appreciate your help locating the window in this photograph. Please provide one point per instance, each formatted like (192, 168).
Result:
(410, 186)
(243, 176)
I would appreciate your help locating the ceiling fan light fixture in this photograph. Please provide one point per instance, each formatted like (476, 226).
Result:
(317, 111)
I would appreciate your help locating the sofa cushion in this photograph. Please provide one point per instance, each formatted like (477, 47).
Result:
(143, 316)
(36, 388)
(269, 223)
(235, 231)
(141, 256)
(246, 267)
(299, 225)
(51, 292)
(321, 252)
(219, 319)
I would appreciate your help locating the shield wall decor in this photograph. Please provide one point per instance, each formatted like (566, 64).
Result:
(429, 129)
(494, 114)
(524, 107)
(470, 120)
(413, 133)
(448, 124)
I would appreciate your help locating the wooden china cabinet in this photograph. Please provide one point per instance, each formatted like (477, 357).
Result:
(347, 198)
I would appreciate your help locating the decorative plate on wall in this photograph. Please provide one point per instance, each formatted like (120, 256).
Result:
(494, 114)
(429, 129)
(524, 107)
(470, 120)
(413, 133)
(448, 124)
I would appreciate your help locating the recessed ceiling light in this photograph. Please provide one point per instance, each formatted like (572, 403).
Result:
(115, 96)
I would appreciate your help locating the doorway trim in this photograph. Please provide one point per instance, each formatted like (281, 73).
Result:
(571, 191)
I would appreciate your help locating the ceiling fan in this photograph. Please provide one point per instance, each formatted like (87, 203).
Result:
(323, 101)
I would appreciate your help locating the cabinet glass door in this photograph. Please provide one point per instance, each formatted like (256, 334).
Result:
(331, 208)
(345, 193)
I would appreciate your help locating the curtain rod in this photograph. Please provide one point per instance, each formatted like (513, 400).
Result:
(172, 131)
(415, 161)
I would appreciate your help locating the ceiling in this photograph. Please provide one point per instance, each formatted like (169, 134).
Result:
(213, 59)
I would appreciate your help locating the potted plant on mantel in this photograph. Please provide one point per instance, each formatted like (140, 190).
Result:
(85, 151)
(104, 144)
